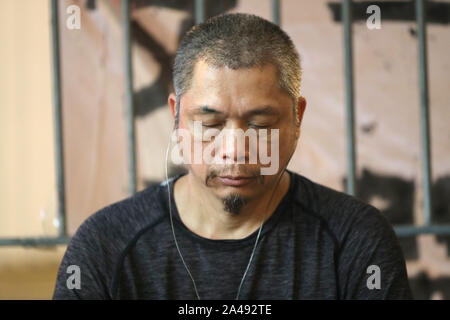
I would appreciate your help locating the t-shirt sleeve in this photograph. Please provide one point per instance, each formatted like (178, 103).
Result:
(371, 263)
(84, 271)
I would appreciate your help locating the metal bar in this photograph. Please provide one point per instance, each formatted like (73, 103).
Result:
(129, 101)
(62, 237)
(349, 93)
(199, 11)
(57, 120)
(404, 231)
(276, 15)
(34, 242)
(424, 107)
(401, 231)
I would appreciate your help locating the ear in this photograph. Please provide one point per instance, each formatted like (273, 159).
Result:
(172, 100)
(301, 106)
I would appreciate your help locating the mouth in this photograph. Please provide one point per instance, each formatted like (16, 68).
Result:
(235, 181)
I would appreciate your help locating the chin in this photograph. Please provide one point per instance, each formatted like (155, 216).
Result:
(247, 192)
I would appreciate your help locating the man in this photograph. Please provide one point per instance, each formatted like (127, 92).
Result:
(225, 230)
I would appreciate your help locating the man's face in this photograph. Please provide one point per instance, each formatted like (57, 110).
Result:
(247, 99)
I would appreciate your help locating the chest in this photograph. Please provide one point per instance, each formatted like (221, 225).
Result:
(283, 267)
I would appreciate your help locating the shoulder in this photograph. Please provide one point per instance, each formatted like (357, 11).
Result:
(102, 238)
(363, 237)
(340, 212)
(116, 224)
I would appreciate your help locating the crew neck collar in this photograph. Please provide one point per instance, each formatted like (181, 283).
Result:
(267, 226)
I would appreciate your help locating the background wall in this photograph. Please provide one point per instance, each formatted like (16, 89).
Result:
(27, 170)
(387, 118)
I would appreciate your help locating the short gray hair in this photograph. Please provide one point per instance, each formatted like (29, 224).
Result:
(237, 41)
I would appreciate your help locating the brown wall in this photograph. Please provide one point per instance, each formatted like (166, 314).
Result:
(27, 201)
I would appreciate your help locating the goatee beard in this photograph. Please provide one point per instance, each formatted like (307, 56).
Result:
(234, 203)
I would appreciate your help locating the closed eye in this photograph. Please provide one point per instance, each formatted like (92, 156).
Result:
(258, 125)
(211, 125)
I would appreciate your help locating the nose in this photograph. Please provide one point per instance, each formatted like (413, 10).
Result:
(233, 146)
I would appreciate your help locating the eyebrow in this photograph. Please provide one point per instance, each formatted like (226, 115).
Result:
(206, 110)
(265, 110)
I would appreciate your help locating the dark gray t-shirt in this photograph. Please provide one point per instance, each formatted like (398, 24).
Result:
(318, 244)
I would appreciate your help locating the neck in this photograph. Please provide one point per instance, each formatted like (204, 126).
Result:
(203, 213)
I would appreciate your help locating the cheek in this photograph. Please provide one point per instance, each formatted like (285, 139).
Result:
(288, 140)
(199, 170)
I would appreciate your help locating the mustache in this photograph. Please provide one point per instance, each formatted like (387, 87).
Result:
(233, 171)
